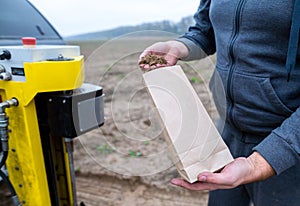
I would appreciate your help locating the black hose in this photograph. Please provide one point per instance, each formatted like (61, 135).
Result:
(10, 186)
(3, 160)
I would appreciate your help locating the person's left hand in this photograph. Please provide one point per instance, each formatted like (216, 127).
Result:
(240, 171)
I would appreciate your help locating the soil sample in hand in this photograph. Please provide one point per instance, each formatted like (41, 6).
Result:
(152, 59)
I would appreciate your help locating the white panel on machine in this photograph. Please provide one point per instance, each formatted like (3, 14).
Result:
(21, 54)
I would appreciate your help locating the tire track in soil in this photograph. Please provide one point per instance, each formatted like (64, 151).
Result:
(106, 190)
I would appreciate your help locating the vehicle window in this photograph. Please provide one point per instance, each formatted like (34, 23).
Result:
(19, 18)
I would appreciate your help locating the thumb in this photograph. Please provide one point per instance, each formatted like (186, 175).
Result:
(215, 178)
(202, 177)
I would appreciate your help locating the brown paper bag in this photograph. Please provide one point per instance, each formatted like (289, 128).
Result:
(193, 140)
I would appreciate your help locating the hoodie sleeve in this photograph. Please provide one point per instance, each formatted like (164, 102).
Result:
(200, 38)
(282, 147)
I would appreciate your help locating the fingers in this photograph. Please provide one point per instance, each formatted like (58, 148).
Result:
(214, 178)
(197, 186)
(147, 67)
(187, 185)
(217, 179)
(168, 60)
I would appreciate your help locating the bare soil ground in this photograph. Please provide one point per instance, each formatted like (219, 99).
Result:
(126, 161)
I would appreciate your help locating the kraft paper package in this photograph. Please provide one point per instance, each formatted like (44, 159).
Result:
(193, 140)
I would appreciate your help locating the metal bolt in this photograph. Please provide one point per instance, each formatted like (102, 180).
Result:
(6, 76)
(2, 68)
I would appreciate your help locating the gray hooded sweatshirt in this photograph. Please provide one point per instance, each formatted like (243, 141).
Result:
(250, 39)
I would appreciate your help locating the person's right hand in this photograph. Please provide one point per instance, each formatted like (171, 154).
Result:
(170, 50)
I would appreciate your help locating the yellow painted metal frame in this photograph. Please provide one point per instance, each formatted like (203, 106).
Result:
(25, 162)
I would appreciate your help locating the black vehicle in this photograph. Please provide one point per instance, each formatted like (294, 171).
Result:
(19, 18)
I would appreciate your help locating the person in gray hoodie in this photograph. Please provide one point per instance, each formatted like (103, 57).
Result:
(262, 116)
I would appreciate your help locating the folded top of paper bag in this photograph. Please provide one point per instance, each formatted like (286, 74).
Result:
(193, 140)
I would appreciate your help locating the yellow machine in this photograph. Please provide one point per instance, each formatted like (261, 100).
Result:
(43, 95)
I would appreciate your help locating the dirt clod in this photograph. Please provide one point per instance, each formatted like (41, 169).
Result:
(152, 59)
